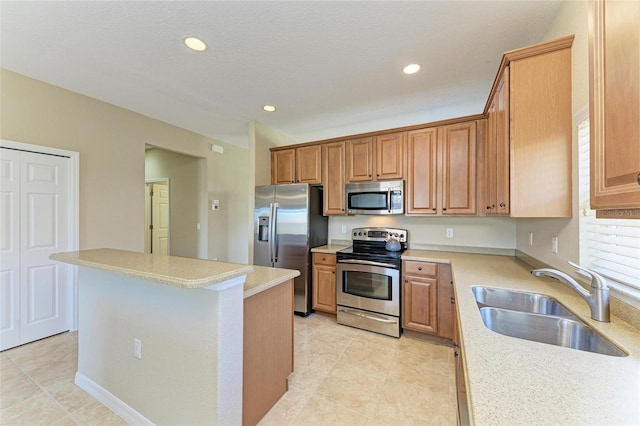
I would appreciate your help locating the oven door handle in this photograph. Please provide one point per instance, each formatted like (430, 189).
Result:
(369, 316)
(368, 262)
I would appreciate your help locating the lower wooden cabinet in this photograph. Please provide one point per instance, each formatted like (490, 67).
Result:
(324, 282)
(427, 298)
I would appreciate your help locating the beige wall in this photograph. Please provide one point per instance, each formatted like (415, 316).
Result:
(111, 143)
(571, 19)
(187, 189)
(486, 232)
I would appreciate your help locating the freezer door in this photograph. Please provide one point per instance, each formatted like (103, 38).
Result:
(265, 197)
(292, 249)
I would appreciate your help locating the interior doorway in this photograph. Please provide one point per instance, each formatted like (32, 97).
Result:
(157, 217)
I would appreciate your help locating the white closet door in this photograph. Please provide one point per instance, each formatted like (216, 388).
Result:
(9, 248)
(38, 218)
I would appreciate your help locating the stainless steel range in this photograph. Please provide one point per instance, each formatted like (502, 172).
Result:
(368, 280)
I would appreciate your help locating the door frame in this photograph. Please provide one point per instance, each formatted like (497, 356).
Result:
(147, 182)
(73, 206)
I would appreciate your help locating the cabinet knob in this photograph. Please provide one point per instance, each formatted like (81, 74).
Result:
(488, 207)
(638, 178)
(444, 209)
(406, 281)
(434, 209)
(419, 268)
(502, 205)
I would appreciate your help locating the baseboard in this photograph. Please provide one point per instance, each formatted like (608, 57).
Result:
(111, 401)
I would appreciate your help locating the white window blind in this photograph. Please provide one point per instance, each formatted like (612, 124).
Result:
(610, 247)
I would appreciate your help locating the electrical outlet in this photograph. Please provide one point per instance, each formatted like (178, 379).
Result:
(554, 244)
(343, 229)
(137, 348)
(449, 232)
(530, 238)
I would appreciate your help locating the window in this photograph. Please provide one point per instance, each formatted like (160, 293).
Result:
(610, 247)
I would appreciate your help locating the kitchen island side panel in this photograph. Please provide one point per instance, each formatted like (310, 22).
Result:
(180, 377)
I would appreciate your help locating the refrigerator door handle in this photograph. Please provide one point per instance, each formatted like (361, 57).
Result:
(270, 233)
(274, 233)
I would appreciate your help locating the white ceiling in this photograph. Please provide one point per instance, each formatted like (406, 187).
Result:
(331, 67)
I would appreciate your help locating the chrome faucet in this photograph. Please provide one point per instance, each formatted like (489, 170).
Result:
(597, 298)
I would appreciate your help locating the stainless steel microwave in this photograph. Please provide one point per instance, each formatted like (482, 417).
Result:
(386, 197)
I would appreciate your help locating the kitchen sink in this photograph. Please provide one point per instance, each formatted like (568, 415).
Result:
(520, 301)
(550, 329)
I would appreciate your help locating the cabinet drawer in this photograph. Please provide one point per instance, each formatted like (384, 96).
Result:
(324, 259)
(420, 268)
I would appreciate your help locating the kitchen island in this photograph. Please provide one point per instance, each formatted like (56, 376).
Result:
(514, 381)
(161, 338)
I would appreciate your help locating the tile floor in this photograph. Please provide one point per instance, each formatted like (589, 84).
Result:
(343, 376)
(346, 376)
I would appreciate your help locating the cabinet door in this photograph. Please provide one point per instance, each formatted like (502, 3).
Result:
(419, 304)
(333, 178)
(389, 151)
(283, 166)
(615, 104)
(422, 171)
(497, 154)
(324, 288)
(360, 160)
(308, 161)
(458, 144)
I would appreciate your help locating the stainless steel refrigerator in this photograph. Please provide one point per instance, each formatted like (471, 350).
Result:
(288, 222)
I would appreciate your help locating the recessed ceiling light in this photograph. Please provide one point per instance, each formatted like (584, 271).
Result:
(269, 108)
(195, 44)
(411, 69)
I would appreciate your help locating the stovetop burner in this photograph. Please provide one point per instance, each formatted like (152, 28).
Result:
(369, 244)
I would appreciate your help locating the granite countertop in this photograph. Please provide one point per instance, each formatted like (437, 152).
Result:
(263, 278)
(515, 381)
(169, 270)
(329, 248)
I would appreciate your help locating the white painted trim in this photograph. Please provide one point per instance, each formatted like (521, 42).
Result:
(581, 115)
(74, 214)
(111, 401)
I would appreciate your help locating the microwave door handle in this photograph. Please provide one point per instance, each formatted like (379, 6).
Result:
(389, 198)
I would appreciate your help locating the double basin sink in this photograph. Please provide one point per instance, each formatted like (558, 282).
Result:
(539, 318)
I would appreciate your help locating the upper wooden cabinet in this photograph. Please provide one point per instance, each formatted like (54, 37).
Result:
(497, 150)
(360, 160)
(333, 162)
(283, 166)
(458, 145)
(529, 112)
(376, 158)
(389, 154)
(441, 170)
(297, 165)
(614, 56)
(422, 171)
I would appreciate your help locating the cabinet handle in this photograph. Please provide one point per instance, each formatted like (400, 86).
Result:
(488, 207)
(444, 209)
(406, 281)
(419, 268)
(638, 178)
(434, 209)
(502, 205)
(453, 301)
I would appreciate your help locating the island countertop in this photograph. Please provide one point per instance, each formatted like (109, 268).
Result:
(169, 270)
(515, 381)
